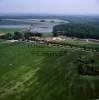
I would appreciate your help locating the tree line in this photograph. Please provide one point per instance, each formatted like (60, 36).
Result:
(20, 35)
(77, 30)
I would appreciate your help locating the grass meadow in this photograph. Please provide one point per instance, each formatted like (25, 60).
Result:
(41, 72)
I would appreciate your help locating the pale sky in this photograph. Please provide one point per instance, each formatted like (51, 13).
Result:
(50, 6)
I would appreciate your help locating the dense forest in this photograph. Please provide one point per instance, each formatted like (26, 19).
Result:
(77, 30)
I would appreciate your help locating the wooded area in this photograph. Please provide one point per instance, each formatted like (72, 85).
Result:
(77, 30)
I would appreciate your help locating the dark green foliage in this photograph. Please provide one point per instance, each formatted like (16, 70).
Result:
(52, 21)
(28, 35)
(17, 35)
(87, 67)
(42, 20)
(78, 30)
(20, 35)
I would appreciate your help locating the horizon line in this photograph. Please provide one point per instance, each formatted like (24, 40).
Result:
(28, 14)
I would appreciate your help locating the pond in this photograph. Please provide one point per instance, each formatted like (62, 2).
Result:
(46, 27)
(34, 26)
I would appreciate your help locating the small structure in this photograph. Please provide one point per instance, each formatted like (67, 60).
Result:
(59, 33)
(2, 35)
(59, 38)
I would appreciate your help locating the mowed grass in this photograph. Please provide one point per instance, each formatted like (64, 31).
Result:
(82, 43)
(48, 34)
(28, 73)
(9, 30)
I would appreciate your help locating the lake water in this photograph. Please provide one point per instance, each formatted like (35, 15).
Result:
(35, 27)
(46, 27)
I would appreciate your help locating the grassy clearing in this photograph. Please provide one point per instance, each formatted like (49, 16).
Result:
(48, 34)
(25, 75)
(9, 30)
(82, 43)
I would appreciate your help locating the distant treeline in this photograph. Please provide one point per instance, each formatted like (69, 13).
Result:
(77, 30)
(70, 18)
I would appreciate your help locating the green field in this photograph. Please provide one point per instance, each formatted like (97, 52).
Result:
(82, 44)
(28, 73)
(48, 34)
(9, 30)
